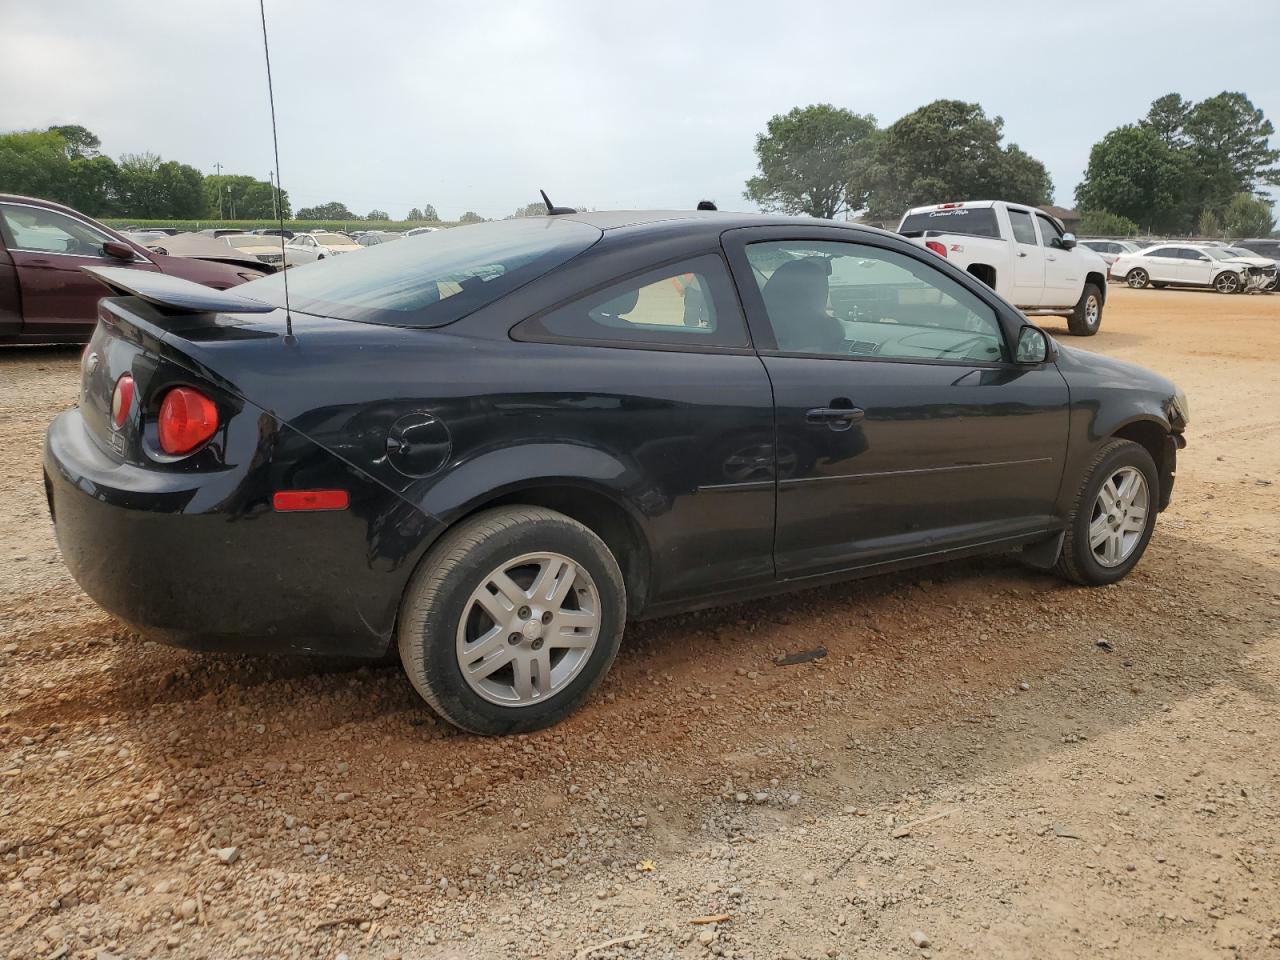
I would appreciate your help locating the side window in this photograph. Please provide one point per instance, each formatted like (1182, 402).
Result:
(840, 299)
(45, 231)
(1188, 254)
(690, 303)
(1167, 252)
(1049, 231)
(1023, 231)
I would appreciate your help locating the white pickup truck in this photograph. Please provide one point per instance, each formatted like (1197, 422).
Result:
(1020, 252)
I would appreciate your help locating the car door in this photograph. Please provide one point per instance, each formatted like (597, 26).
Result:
(1063, 276)
(1028, 261)
(48, 249)
(903, 428)
(1195, 267)
(1163, 265)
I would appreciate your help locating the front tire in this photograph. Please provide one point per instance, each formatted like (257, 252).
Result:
(1114, 513)
(512, 620)
(1137, 278)
(1228, 282)
(1087, 316)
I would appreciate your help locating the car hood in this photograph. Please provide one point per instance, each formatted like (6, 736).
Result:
(1253, 261)
(1077, 364)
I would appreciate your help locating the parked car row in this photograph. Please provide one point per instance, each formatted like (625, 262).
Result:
(45, 296)
(1207, 265)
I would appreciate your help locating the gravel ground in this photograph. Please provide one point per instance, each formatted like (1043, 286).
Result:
(989, 763)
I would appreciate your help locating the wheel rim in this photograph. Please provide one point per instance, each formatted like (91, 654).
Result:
(1227, 283)
(1138, 278)
(528, 629)
(1091, 312)
(1119, 516)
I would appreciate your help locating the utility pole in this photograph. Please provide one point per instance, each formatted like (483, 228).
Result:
(275, 210)
(218, 167)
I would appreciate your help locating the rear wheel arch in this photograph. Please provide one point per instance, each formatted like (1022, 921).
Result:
(984, 272)
(596, 510)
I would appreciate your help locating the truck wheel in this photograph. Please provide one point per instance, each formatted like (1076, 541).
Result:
(512, 620)
(1136, 278)
(1227, 282)
(1110, 523)
(1087, 316)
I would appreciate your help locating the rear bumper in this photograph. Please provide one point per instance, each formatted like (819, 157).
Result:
(201, 560)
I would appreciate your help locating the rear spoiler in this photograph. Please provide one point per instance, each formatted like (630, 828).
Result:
(173, 294)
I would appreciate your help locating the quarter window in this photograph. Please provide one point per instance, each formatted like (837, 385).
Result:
(689, 303)
(841, 299)
(1023, 231)
(37, 229)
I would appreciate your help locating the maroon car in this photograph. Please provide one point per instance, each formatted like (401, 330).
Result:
(44, 295)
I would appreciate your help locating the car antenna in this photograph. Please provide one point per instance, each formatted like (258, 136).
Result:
(275, 144)
(552, 209)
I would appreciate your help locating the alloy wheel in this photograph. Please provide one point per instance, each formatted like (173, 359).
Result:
(1092, 312)
(1119, 516)
(1137, 279)
(528, 629)
(1227, 283)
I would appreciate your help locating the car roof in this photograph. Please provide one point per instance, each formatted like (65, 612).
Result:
(690, 222)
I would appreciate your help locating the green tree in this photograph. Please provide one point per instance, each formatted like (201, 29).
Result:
(414, 215)
(813, 161)
(93, 186)
(1167, 117)
(1228, 140)
(79, 141)
(1133, 172)
(151, 188)
(951, 150)
(34, 163)
(245, 197)
(333, 210)
(1104, 223)
(429, 214)
(1248, 216)
(376, 214)
(535, 209)
(471, 217)
(1209, 224)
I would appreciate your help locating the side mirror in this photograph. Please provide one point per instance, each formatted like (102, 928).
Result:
(1068, 241)
(1033, 345)
(117, 250)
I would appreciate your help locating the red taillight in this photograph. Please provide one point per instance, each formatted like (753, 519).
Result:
(187, 419)
(286, 500)
(939, 248)
(122, 400)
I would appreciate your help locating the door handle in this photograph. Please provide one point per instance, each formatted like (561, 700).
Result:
(836, 418)
(1021, 254)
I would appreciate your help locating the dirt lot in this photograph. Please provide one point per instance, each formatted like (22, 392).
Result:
(990, 763)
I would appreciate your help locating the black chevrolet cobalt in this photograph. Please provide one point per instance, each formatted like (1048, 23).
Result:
(491, 446)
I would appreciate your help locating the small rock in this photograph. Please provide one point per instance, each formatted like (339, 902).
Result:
(707, 937)
(188, 909)
(341, 797)
(379, 900)
(1102, 643)
(741, 797)
(1024, 686)
(809, 878)
(227, 854)
(919, 939)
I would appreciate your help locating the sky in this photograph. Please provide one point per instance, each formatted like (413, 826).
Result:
(475, 105)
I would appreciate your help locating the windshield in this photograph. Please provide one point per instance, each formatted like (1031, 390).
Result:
(251, 241)
(1217, 253)
(1240, 252)
(433, 278)
(971, 222)
(332, 239)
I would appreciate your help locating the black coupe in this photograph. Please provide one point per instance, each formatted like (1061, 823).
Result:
(492, 445)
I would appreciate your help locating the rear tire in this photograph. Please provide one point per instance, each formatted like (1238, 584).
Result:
(1107, 532)
(558, 608)
(1085, 320)
(1137, 278)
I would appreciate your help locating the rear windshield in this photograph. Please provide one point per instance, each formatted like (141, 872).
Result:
(974, 222)
(433, 278)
